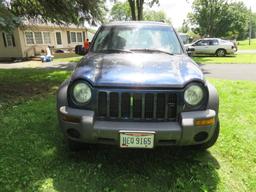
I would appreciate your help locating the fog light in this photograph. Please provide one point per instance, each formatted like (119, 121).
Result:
(73, 133)
(204, 122)
(199, 137)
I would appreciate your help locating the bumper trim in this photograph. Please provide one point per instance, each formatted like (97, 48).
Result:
(93, 130)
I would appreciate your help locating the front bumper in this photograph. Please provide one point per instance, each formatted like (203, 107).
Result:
(81, 125)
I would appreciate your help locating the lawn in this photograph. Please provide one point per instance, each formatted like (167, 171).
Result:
(236, 59)
(66, 57)
(33, 156)
(244, 45)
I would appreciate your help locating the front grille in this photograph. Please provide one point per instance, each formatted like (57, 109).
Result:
(136, 106)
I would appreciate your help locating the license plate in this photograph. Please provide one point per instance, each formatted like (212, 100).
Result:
(136, 139)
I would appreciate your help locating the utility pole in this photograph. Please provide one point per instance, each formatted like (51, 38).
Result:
(250, 26)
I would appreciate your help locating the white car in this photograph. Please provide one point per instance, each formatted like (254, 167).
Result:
(213, 46)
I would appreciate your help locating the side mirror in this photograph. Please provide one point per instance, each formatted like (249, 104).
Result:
(190, 50)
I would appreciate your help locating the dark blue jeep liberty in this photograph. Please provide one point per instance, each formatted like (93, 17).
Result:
(137, 88)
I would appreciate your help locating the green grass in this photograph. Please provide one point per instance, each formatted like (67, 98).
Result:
(33, 156)
(66, 57)
(244, 45)
(236, 59)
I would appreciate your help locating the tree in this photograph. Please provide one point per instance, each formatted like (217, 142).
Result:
(238, 19)
(184, 28)
(136, 6)
(218, 18)
(151, 15)
(8, 21)
(120, 12)
(57, 11)
(253, 19)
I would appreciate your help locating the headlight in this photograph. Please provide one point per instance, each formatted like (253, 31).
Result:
(82, 93)
(193, 95)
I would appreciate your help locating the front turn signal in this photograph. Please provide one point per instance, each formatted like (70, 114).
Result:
(204, 122)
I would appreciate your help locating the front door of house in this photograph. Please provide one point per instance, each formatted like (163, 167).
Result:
(58, 40)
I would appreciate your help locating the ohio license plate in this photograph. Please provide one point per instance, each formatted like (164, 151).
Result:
(136, 139)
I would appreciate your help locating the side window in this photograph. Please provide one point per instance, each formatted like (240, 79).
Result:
(197, 43)
(202, 43)
(100, 42)
(205, 42)
(213, 42)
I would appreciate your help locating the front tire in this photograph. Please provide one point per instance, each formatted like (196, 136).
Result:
(221, 53)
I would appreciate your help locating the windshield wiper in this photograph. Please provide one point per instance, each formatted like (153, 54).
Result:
(152, 50)
(114, 51)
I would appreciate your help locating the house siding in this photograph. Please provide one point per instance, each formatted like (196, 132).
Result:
(10, 52)
(23, 49)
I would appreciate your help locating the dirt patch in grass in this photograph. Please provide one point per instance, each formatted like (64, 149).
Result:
(23, 84)
(27, 90)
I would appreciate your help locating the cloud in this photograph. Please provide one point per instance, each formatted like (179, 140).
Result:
(176, 10)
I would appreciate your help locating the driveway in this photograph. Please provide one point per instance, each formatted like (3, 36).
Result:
(39, 65)
(230, 71)
(249, 51)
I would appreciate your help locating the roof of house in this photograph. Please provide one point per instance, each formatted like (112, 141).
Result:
(40, 24)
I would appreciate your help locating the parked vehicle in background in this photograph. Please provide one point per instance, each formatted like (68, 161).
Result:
(213, 46)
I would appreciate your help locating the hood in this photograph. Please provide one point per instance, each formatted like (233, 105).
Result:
(137, 70)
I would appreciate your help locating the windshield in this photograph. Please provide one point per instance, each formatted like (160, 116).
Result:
(135, 38)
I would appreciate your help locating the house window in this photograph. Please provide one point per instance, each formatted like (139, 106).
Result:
(58, 38)
(29, 38)
(79, 37)
(8, 40)
(38, 37)
(73, 37)
(47, 38)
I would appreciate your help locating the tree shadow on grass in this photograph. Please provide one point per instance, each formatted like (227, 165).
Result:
(161, 169)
